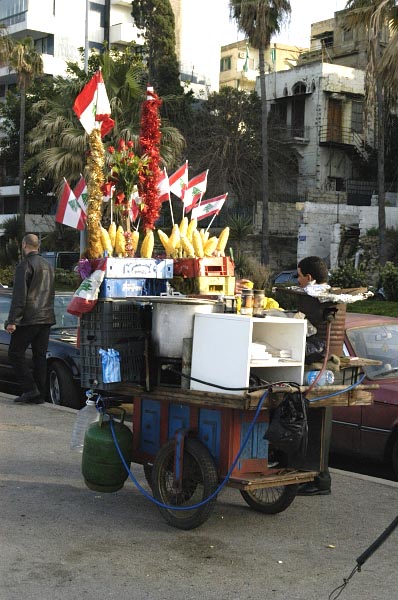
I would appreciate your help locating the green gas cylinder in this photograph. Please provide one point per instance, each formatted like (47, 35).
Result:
(102, 468)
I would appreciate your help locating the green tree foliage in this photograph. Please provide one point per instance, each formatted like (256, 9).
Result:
(389, 278)
(157, 18)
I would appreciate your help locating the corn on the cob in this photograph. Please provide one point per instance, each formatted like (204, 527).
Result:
(120, 242)
(174, 238)
(112, 233)
(205, 236)
(135, 236)
(210, 246)
(106, 241)
(165, 240)
(197, 244)
(183, 227)
(193, 223)
(187, 247)
(147, 244)
(222, 241)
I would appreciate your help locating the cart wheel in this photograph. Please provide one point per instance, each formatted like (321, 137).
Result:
(271, 500)
(199, 481)
(148, 470)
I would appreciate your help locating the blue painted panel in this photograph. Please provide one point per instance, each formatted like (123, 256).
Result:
(256, 446)
(178, 418)
(210, 430)
(150, 426)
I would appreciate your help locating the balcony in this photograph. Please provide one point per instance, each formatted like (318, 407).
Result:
(124, 33)
(343, 137)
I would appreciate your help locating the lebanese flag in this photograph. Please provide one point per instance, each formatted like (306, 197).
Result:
(195, 190)
(81, 194)
(164, 187)
(208, 207)
(178, 181)
(69, 212)
(86, 296)
(92, 106)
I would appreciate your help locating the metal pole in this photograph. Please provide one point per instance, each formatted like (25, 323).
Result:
(86, 40)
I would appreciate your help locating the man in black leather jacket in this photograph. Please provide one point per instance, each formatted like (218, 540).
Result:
(30, 318)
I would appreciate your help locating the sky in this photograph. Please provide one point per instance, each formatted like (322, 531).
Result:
(297, 33)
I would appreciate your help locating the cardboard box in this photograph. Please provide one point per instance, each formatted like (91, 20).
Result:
(152, 268)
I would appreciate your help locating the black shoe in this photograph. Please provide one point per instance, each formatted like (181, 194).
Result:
(311, 489)
(32, 397)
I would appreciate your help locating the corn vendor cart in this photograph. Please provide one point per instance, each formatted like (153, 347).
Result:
(202, 381)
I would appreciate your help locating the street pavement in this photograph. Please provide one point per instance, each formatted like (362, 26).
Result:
(61, 541)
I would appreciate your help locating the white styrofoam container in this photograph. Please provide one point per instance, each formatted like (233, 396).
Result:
(151, 268)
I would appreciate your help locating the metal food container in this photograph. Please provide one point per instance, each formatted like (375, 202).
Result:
(172, 321)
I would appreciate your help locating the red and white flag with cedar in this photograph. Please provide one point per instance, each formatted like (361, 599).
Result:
(178, 181)
(92, 106)
(195, 190)
(208, 208)
(164, 187)
(81, 194)
(69, 212)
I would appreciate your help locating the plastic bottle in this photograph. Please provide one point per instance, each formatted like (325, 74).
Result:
(327, 377)
(87, 415)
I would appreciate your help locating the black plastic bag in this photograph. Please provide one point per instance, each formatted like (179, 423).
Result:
(315, 349)
(288, 428)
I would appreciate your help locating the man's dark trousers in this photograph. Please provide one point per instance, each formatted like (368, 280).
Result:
(37, 337)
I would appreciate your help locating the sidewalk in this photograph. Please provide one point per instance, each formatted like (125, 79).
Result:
(61, 541)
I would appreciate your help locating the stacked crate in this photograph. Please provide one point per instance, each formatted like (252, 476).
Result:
(210, 276)
(128, 277)
(123, 325)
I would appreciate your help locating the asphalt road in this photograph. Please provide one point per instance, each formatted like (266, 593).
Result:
(61, 541)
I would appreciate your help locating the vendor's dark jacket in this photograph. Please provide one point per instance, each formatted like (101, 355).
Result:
(33, 292)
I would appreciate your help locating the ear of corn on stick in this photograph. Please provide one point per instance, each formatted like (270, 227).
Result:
(167, 245)
(187, 247)
(222, 241)
(112, 233)
(174, 238)
(183, 227)
(205, 236)
(197, 244)
(147, 244)
(106, 241)
(210, 246)
(193, 223)
(120, 242)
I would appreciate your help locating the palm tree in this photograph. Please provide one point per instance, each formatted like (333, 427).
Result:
(58, 143)
(23, 58)
(381, 81)
(259, 20)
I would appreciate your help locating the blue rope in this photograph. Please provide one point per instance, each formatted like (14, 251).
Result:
(349, 388)
(222, 484)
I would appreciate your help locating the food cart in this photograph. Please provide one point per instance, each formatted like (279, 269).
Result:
(186, 361)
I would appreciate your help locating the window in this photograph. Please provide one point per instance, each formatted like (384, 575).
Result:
(45, 45)
(13, 11)
(357, 116)
(348, 35)
(225, 63)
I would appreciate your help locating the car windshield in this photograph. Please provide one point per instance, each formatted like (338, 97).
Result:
(63, 318)
(378, 342)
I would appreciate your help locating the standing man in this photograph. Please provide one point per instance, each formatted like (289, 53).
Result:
(313, 270)
(29, 321)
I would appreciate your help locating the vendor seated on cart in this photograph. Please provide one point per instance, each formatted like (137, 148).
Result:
(312, 270)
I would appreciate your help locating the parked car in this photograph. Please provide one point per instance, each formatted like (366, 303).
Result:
(286, 278)
(63, 361)
(62, 260)
(371, 432)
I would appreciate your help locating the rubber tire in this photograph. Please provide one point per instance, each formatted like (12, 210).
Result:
(394, 458)
(271, 500)
(61, 388)
(199, 482)
(148, 471)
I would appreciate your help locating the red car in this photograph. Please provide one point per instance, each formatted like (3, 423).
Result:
(371, 432)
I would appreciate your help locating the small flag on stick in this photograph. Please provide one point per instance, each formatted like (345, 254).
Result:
(69, 212)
